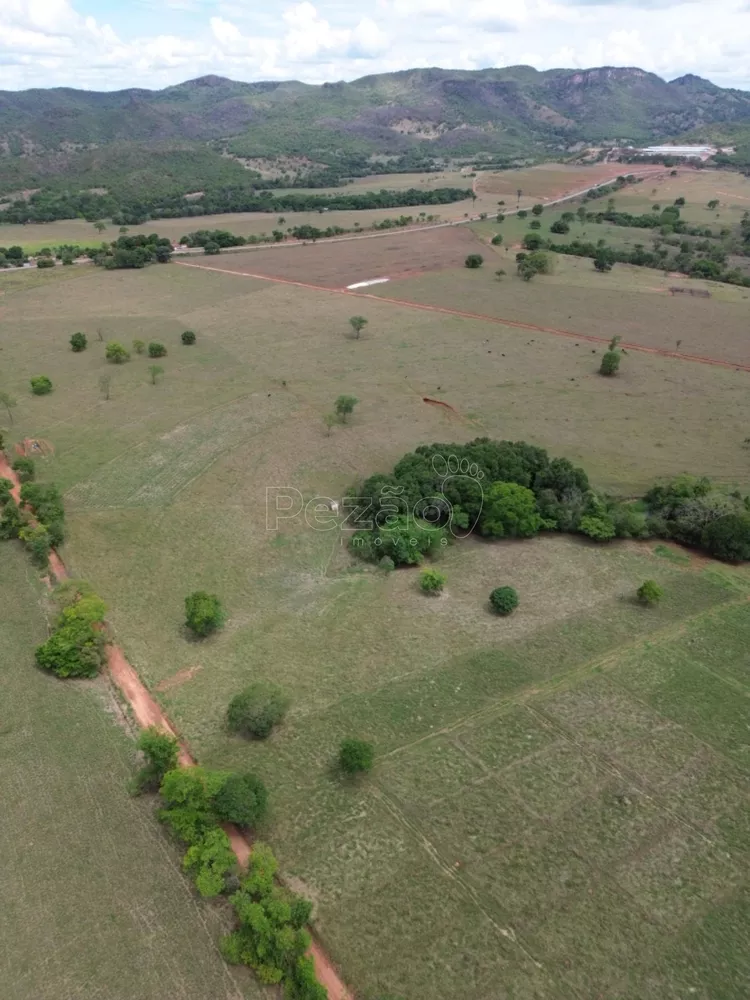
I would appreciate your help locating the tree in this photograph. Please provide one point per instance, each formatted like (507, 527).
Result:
(356, 756)
(344, 406)
(532, 241)
(211, 249)
(38, 542)
(357, 323)
(535, 224)
(43, 262)
(105, 382)
(522, 214)
(155, 371)
(156, 350)
(559, 227)
(78, 342)
(537, 209)
(500, 217)
(100, 226)
(679, 201)
(649, 592)
(602, 262)
(242, 799)
(611, 358)
(497, 240)
(510, 511)
(329, 419)
(255, 711)
(713, 204)
(123, 230)
(139, 346)
(188, 337)
(8, 402)
(600, 529)
(160, 750)
(504, 600)
(431, 581)
(41, 385)
(209, 860)
(116, 353)
(474, 260)
(728, 538)
(203, 613)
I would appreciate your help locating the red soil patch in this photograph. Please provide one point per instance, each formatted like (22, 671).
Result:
(7, 473)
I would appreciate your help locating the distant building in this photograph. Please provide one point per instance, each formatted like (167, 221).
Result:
(694, 152)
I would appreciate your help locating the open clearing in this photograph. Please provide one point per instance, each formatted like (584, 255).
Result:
(559, 808)
(94, 904)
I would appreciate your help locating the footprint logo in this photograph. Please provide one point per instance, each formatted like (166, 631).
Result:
(461, 489)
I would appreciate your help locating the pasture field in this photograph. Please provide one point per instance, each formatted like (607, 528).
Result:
(94, 903)
(559, 807)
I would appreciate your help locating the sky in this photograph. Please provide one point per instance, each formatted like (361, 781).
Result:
(113, 44)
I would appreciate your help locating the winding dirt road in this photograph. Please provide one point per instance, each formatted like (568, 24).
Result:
(147, 712)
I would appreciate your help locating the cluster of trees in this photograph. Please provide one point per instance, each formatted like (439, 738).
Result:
(515, 491)
(49, 205)
(39, 520)
(135, 252)
(76, 646)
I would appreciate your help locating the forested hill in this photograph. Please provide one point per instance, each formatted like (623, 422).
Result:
(217, 132)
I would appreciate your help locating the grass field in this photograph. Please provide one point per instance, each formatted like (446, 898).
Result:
(94, 904)
(559, 808)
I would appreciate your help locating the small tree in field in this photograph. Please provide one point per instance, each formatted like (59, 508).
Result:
(497, 240)
(156, 350)
(116, 353)
(8, 402)
(24, 469)
(155, 371)
(504, 600)
(255, 711)
(602, 263)
(356, 756)
(78, 342)
(611, 358)
(188, 337)
(139, 346)
(537, 209)
(329, 419)
(100, 226)
(242, 799)
(473, 261)
(160, 750)
(431, 581)
(344, 406)
(650, 592)
(41, 385)
(203, 613)
(357, 323)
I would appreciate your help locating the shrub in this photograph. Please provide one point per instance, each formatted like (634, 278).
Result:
(242, 799)
(610, 363)
(728, 538)
(24, 469)
(44, 500)
(344, 406)
(474, 260)
(510, 511)
(522, 214)
(203, 613)
(38, 542)
(139, 346)
(650, 592)
(537, 209)
(431, 581)
(532, 241)
(188, 337)
(386, 564)
(500, 217)
(116, 353)
(12, 522)
(356, 756)
(41, 385)
(405, 541)
(211, 249)
(43, 262)
(601, 529)
(535, 224)
(156, 350)
(78, 342)
(5, 489)
(559, 227)
(160, 750)
(187, 793)
(255, 711)
(504, 600)
(209, 860)
(75, 649)
(497, 240)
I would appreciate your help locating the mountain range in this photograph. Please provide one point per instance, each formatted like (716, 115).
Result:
(222, 126)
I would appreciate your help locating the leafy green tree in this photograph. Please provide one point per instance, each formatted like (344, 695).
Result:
(78, 342)
(650, 592)
(474, 260)
(156, 350)
(38, 542)
(533, 241)
(610, 362)
(255, 711)
(357, 323)
(537, 209)
(100, 226)
(713, 204)
(188, 337)
(75, 649)
(535, 224)
(402, 539)
(600, 529)
(43, 262)
(155, 371)
(5, 485)
(431, 581)
(497, 240)
(728, 538)
(510, 511)
(211, 249)
(679, 201)
(242, 800)
(187, 794)
(116, 353)
(41, 385)
(504, 600)
(24, 469)
(8, 402)
(139, 346)
(329, 419)
(203, 613)
(12, 522)
(209, 860)
(344, 406)
(559, 227)
(160, 750)
(500, 217)
(602, 262)
(356, 756)
(523, 214)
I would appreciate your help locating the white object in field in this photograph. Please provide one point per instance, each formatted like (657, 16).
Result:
(334, 507)
(365, 284)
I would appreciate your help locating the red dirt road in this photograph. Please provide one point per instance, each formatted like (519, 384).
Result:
(483, 317)
(148, 713)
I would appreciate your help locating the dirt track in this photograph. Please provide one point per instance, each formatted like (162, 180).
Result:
(148, 713)
(483, 317)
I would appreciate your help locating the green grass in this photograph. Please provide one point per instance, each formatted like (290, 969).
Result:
(558, 803)
(94, 902)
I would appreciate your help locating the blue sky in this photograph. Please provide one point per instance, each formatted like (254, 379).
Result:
(110, 44)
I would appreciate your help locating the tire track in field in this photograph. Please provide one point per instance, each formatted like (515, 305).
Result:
(481, 317)
(147, 713)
